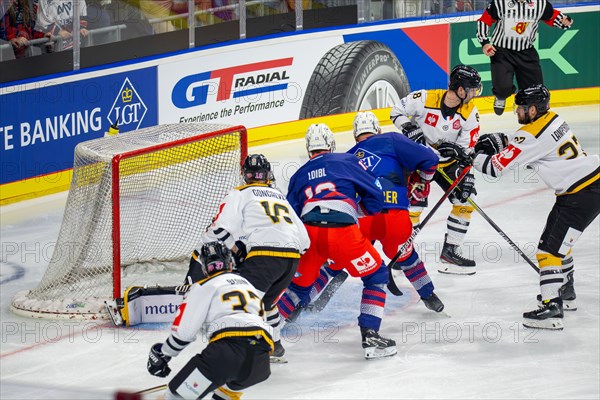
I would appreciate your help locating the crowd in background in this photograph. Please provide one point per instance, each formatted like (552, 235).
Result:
(35, 27)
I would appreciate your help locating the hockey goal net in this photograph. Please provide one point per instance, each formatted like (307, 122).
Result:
(136, 208)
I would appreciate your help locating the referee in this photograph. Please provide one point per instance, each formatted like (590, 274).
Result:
(511, 48)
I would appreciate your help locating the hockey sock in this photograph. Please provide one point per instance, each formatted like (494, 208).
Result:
(274, 320)
(551, 276)
(224, 393)
(417, 275)
(458, 223)
(293, 297)
(567, 266)
(372, 302)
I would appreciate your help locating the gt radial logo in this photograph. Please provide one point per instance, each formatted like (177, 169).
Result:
(520, 27)
(128, 107)
(234, 82)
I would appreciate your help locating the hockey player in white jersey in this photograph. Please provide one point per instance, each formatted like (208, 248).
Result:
(228, 309)
(547, 145)
(431, 117)
(273, 237)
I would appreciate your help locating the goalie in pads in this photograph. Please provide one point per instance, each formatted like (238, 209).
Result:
(227, 308)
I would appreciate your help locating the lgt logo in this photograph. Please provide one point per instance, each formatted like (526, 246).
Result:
(128, 107)
(367, 159)
(189, 91)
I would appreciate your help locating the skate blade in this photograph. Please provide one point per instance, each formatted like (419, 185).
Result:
(373, 353)
(452, 269)
(554, 324)
(278, 360)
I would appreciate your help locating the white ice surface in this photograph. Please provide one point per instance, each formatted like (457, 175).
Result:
(478, 350)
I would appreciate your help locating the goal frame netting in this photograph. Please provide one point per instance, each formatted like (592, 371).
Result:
(29, 303)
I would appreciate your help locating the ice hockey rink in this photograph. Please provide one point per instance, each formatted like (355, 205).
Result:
(477, 348)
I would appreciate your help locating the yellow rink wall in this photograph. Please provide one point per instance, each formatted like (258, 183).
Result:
(60, 181)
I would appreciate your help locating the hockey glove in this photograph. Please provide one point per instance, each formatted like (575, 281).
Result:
(491, 143)
(453, 151)
(158, 363)
(418, 188)
(239, 252)
(467, 187)
(413, 132)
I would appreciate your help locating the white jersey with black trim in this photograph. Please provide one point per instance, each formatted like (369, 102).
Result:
(226, 305)
(424, 108)
(264, 220)
(549, 147)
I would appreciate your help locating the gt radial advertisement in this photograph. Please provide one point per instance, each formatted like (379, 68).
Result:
(264, 88)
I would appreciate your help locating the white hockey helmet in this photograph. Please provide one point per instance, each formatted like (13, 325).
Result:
(366, 122)
(319, 137)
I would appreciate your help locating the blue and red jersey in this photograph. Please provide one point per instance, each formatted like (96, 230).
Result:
(329, 187)
(392, 157)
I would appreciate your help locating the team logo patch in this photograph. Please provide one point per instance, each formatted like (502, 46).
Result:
(456, 125)
(505, 157)
(367, 159)
(431, 119)
(364, 263)
(520, 27)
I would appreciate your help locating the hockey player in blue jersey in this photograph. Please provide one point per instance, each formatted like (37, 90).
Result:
(327, 192)
(404, 169)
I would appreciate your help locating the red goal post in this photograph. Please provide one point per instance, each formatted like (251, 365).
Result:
(137, 205)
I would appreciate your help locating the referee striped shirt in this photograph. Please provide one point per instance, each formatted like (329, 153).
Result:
(517, 22)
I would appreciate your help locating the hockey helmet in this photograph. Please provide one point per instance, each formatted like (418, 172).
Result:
(365, 122)
(465, 77)
(215, 257)
(319, 137)
(536, 95)
(256, 168)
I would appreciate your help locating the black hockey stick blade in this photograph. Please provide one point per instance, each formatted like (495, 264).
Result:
(391, 285)
(334, 284)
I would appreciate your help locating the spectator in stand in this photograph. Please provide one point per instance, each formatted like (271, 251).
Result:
(55, 18)
(18, 23)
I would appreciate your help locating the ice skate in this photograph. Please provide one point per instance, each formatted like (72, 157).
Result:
(277, 357)
(377, 346)
(567, 294)
(433, 303)
(548, 316)
(453, 262)
(113, 309)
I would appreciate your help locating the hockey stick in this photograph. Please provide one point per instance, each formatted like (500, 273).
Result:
(321, 302)
(392, 287)
(496, 227)
(152, 389)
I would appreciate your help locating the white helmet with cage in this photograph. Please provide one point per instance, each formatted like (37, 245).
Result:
(319, 137)
(366, 122)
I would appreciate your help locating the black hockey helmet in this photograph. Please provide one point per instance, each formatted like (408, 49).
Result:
(465, 77)
(256, 168)
(215, 257)
(536, 95)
